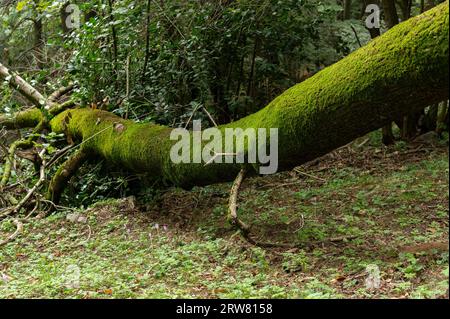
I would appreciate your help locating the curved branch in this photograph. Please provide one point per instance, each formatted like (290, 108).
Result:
(245, 229)
(38, 183)
(24, 119)
(22, 143)
(52, 98)
(19, 229)
(10, 160)
(58, 108)
(64, 173)
(41, 179)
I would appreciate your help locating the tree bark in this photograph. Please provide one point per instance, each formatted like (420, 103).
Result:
(390, 13)
(394, 74)
(441, 116)
(39, 43)
(63, 15)
(22, 86)
(347, 9)
(405, 7)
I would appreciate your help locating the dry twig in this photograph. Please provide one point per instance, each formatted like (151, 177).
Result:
(19, 228)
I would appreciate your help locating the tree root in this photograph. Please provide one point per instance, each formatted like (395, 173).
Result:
(232, 207)
(244, 229)
(19, 229)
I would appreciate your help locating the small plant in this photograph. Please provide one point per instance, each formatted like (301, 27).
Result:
(410, 266)
(294, 262)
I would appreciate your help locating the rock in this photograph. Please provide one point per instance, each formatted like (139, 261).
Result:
(131, 202)
(76, 218)
(427, 138)
(73, 217)
(82, 219)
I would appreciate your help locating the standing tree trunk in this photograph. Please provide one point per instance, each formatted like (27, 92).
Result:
(441, 117)
(147, 41)
(64, 15)
(347, 9)
(405, 8)
(390, 13)
(386, 131)
(115, 45)
(410, 122)
(39, 43)
(391, 18)
(38, 36)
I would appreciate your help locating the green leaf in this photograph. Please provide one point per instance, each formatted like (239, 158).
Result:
(21, 5)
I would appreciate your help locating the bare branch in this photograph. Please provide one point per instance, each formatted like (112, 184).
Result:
(19, 228)
(15, 81)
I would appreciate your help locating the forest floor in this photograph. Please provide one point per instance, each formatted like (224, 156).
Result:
(388, 205)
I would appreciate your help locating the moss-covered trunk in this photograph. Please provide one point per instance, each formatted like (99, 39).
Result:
(394, 74)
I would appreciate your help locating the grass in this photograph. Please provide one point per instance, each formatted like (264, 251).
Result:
(394, 201)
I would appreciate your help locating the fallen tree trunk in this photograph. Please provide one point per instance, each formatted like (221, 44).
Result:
(395, 74)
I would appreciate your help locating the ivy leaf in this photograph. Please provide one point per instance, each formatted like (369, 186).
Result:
(21, 5)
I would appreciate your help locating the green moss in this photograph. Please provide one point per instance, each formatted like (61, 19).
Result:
(23, 119)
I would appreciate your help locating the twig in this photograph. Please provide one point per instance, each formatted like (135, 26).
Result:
(275, 185)
(32, 211)
(19, 229)
(356, 35)
(192, 115)
(363, 143)
(56, 206)
(52, 98)
(209, 115)
(33, 189)
(309, 175)
(127, 94)
(89, 233)
(59, 154)
(217, 155)
(205, 110)
(168, 19)
(38, 183)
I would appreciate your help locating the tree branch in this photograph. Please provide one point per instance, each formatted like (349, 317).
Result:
(15, 81)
